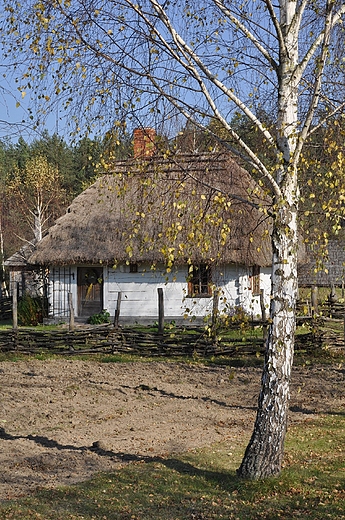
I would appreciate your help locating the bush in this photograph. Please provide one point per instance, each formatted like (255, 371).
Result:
(98, 319)
(30, 310)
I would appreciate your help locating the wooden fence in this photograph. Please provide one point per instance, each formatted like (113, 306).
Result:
(107, 339)
(136, 341)
(5, 308)
(324, 329)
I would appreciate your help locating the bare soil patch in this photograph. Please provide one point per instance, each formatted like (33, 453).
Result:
(63, 421)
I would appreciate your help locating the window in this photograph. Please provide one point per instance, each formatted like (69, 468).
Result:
(255, 279)
(133, 267)
(199, 284)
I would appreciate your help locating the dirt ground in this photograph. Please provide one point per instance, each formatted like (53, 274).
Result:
(63, 421)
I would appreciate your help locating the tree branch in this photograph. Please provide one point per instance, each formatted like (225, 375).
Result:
(238, 24)
(186, 50)
(319, 39)
(317, 88)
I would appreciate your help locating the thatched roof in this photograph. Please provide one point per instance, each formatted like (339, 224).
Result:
(324, 271)
(190, 207)
(20, 259)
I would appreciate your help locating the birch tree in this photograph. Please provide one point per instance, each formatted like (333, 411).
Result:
(36, 190)
(207, 60)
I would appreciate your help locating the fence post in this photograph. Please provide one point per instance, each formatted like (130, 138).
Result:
(215, 308)
(332, 297)
(15, 306)
(314, 300)
(263, 315)
(160, 311)
(117, 310)
(262, 305)
(71, 311)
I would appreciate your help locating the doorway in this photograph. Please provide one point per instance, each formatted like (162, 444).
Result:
(90, 291)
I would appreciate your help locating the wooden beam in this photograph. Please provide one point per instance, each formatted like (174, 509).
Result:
(160, 311)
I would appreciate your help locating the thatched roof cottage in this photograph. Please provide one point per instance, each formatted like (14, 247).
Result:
(181, 223)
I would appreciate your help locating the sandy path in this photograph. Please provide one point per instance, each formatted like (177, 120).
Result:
(63, 421)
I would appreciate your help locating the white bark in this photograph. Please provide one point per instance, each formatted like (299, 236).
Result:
(3, 289)
(38, 225)
(264, 453)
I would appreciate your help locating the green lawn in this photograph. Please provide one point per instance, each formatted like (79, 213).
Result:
(202, 485)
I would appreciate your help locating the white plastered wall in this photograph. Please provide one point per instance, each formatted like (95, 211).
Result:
(139, 296)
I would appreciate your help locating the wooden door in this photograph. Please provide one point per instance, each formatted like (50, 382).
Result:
(90, 290)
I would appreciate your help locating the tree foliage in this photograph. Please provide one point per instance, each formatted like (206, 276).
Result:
(37, 193)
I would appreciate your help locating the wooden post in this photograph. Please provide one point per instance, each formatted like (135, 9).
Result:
(332, 299)
(263, 315)
(215, 308)
(314, 300)
(262, 305)
(15, 306)
(160, 311)
(117, 310)
(71, 311)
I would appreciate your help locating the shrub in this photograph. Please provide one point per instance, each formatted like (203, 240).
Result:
(98, 319)
(30, 310)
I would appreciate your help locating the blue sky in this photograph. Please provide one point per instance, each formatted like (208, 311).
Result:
(15, 120)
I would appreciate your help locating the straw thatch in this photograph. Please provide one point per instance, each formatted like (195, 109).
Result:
(187, 207)
(324, 271)
(20, 259)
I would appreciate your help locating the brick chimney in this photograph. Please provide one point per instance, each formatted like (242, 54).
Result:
(144, 142)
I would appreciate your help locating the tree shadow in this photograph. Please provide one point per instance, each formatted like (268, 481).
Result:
(306, 411)
(340, 414)
(221, 478)
(51, 443)
(299, 409)
(226, 479)
(154, 390)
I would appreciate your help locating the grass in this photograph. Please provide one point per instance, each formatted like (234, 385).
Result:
(301, 358)
(7, 324)
(203, 485)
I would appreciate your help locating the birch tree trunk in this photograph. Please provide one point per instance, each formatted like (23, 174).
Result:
(264, 453)
(3, 288)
